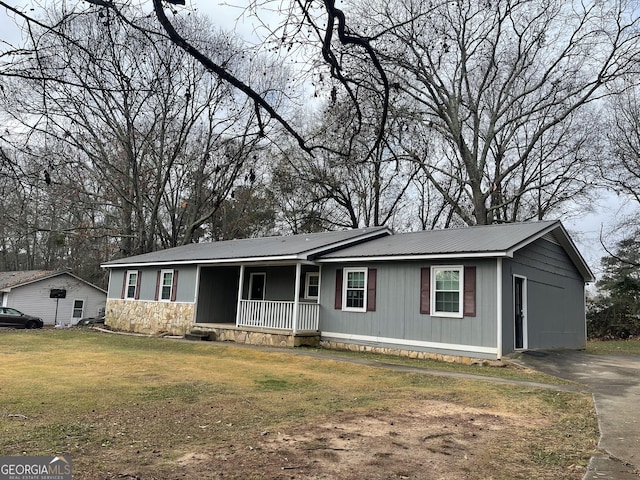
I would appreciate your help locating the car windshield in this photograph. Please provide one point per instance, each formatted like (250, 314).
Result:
(11, 311)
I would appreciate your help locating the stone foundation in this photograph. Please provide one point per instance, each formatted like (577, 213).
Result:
(151, 318)
(263, 337)
(333, 345)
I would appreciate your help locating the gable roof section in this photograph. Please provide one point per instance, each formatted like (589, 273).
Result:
(489, 241)
(292, 248)
(9, 280)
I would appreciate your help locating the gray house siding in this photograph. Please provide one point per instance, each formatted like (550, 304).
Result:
(279, 282)
(554, 298)
(186, 285)
(218, 294)
(398, 319)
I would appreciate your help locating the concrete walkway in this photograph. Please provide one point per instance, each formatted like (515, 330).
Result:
(615, 384)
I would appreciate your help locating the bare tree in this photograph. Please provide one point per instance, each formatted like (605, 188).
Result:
(505, 85)
(621, 167)
(146, 132)
(317, 33)
(360, 189)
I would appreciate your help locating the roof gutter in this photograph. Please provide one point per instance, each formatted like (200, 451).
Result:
(430, 256)
(223, 261)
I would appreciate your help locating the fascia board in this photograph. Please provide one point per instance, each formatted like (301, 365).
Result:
(588, 274)
(534, 237)
(567, 244)
(433, 256)
(219, 261)
(86, 283)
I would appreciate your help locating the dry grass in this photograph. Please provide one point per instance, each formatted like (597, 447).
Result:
(123, 407)
(614, 347)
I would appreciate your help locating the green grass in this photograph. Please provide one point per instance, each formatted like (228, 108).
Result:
(614, 347)
(121, 403)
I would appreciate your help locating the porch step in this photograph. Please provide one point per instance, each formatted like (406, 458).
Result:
(197, 336)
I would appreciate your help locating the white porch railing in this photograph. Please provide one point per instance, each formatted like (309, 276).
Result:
(277, 315)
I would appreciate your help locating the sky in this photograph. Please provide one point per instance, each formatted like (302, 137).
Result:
(584, 228)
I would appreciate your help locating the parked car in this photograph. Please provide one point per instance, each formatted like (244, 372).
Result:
(10, 317)
(84, 322)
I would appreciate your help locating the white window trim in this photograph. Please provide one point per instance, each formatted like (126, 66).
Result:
(162, 272)
(345, 275)
(307, 285)
(73, 305)
(264, 284)
(460, 312)
(135, 285)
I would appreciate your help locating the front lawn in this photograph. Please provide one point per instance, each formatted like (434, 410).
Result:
(150, 408)
(614, 347)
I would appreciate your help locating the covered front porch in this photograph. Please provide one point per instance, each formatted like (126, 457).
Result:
(283, 298)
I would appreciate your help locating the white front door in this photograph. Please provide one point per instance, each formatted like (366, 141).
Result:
(78, 311)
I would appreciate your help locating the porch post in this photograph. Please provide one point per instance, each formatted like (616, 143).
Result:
(296, 297)
(499, 306)
(319, 282)
(240, 283)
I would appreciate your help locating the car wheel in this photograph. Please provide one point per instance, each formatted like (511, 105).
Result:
(32, 324)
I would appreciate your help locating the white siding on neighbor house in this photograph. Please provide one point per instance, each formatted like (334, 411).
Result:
(33, 299)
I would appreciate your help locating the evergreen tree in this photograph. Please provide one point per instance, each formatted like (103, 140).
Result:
(615, 311)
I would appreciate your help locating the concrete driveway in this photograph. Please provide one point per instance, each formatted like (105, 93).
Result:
(615, 384)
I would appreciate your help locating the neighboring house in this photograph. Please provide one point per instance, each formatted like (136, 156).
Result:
(55, 296)
(478, 292)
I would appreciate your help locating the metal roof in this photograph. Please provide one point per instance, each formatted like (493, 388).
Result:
(498, 240)
(368, 244)
(292, 247)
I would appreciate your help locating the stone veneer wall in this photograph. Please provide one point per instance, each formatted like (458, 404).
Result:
(262, 337)
(151, 318)
(333, 345)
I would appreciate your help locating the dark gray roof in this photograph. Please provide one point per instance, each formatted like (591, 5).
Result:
(499, 240)
(292, 247)
(478, 239)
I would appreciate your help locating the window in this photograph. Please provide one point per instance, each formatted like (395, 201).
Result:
(166, 285)
(132, 284)
(78, 309)
(312, 285)
(355, 288)
(447, 291)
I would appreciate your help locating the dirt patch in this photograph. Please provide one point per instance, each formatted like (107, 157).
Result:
(431, 439)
